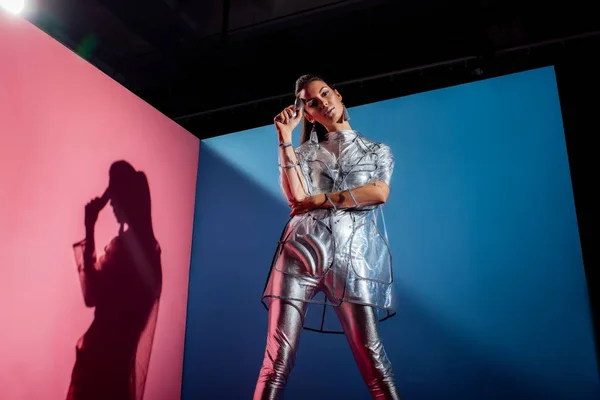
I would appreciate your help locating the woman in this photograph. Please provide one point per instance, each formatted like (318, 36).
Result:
(332, 246)
(124, 286)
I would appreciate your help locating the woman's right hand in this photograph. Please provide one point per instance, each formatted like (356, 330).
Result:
(285, 123)
(92, 209)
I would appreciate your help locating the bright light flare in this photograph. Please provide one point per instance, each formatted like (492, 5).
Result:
(13, 6)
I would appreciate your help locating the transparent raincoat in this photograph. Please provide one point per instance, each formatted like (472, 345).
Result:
(329, 256)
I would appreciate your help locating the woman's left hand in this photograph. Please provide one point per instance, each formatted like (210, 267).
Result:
(305, 205)
(300, 207)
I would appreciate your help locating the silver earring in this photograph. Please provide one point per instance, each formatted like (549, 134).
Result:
(313, 134)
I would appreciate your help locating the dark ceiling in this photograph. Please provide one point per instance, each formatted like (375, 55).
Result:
(216, 66)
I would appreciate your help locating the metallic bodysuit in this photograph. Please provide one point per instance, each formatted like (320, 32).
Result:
(333, 259)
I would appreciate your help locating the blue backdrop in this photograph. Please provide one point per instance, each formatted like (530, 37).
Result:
(487, 261)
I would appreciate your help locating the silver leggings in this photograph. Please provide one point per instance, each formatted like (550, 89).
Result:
(360, 326)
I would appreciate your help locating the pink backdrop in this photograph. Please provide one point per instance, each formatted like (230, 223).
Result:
(62, 124)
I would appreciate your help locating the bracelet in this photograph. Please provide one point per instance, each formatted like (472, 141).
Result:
(330, 202)
(285, 144)
(289, 165)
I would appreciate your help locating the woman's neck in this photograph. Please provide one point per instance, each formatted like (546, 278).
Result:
(339, 126)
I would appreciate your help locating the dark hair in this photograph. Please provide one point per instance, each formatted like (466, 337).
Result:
(307, 126)
(131, 190)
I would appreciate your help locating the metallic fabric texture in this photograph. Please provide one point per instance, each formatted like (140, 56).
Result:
(335, 262)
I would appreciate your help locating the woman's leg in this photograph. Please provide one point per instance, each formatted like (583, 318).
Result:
(286, 319)
(362, 332)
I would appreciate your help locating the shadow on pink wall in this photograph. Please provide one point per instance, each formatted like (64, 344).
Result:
(62, 125)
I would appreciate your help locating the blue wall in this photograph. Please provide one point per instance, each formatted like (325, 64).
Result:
(488, 267)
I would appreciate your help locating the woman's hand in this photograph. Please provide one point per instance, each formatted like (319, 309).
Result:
(307, 204)
(92, 209)
(285, 123)
(301, 207)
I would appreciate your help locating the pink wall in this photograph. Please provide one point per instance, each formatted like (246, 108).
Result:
(62, 124)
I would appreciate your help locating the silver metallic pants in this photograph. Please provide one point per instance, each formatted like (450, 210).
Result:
(360, 326)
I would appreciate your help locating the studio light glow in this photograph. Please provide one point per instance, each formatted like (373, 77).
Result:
(13, 6)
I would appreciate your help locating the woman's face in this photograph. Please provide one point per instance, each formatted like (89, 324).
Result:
(322, 103)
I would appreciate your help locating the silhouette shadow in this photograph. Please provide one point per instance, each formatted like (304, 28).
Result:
(124, 287)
